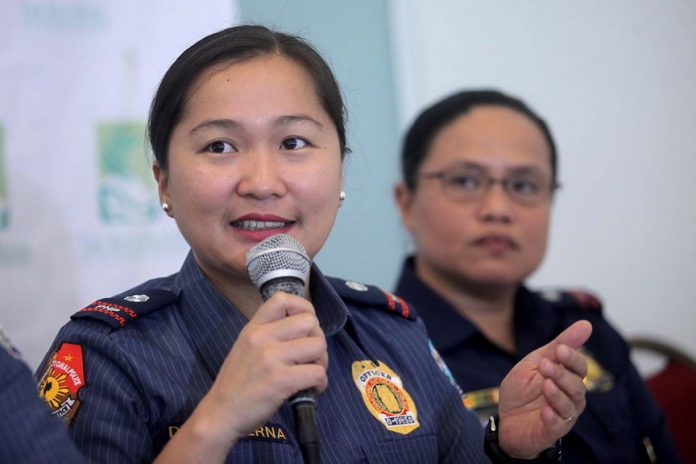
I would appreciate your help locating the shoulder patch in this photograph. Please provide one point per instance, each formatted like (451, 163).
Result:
(573, 299)
(62, 380)
(118, 311)
(369, 295)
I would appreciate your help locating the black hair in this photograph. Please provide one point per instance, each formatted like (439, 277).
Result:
(431, 121)
(237, 43)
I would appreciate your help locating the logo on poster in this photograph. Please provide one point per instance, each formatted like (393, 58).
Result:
(127, 190)
(4, 204)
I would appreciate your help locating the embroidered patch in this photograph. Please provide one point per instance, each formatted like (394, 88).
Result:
(597, 378)
(119, 311)
(445, 370)
(585, 300)
(385, 396)
(62, 380)
(270, 432)
(397, 304)
(483, 402)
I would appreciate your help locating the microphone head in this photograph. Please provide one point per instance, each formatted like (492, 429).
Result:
(277, 256)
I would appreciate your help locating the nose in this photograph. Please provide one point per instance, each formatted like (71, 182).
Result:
(495, 204)
(260, 175)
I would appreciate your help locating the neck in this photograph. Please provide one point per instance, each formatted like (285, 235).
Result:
(489, 307)
(238, 289)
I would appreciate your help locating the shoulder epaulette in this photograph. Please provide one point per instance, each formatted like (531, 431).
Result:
(369, 295)
(574, 299)
(120, 310)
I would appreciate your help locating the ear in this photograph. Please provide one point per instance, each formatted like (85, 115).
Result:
(162, 179)
(404, 200)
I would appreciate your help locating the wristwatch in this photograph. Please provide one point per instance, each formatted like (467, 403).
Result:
(498, 456)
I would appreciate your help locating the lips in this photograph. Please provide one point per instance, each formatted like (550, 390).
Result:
(496, 242)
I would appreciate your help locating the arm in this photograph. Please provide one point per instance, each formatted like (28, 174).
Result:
(28, 432)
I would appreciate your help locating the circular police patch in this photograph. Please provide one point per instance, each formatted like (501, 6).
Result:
(385, 397)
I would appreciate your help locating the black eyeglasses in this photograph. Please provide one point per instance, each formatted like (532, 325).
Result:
(466, 185)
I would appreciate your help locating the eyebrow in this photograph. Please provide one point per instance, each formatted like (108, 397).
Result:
(229, 124)
(524, 169)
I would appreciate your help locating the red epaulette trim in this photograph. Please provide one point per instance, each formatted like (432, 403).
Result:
(397, 304)
(585, 300)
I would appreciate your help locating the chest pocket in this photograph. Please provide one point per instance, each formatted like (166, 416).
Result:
(612, 412)
(418, 448)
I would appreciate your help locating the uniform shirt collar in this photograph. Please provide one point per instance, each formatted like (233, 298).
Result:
(446, 327)
(535, 318)
(214, 323)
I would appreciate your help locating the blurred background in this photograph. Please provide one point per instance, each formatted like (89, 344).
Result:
(79, 215)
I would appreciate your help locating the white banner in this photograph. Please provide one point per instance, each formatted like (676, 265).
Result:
(79, 213)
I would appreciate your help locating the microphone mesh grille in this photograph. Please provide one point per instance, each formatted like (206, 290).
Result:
(278, 252)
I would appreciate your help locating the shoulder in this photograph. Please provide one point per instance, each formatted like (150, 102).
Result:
(117, 311)
(371, 297)
(578, 300)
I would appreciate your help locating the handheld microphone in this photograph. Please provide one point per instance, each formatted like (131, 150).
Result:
(280, 264)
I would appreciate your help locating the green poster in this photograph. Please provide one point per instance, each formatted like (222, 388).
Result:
(127, 190)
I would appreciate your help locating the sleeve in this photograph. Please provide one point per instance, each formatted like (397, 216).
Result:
(28, 432)
(89, 382)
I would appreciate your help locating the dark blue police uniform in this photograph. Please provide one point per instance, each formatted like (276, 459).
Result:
(127, 371)
(28, 432)
(621, 423)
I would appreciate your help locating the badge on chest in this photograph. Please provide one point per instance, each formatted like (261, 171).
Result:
(385, 397)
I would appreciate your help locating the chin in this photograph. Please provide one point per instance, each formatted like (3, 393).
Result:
(498, 278)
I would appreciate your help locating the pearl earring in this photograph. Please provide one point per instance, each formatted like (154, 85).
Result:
(165, 207)
(342, 195)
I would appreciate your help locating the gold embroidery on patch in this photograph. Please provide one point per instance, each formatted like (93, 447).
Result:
(481, 398)
(597, 378)
(270, 432)
(385, 397)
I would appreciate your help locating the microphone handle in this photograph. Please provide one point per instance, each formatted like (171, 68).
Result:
(291, 285)
(303, 411)
(303, 403)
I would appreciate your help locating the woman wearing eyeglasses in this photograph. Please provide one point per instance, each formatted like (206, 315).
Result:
(479, 174)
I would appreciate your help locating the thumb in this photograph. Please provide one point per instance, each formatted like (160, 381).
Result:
(574, 336)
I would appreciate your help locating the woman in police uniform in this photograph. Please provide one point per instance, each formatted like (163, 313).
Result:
(479, 170)
(247, 128)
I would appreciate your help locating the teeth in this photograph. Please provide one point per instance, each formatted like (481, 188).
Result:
(259, 225)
